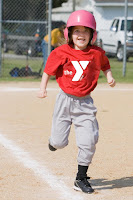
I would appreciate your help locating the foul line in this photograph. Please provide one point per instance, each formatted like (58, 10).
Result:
(17, 89)
(24, 158)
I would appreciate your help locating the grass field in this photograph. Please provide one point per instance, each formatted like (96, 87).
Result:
(35, 64)
(117, 70)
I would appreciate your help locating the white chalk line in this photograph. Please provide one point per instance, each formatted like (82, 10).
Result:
(24, 158)
(17, 89)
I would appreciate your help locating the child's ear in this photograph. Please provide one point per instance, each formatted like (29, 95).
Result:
(94, 37)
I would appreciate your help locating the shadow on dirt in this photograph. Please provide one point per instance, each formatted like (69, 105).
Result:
(103, 184)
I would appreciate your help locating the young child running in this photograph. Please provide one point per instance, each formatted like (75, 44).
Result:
(77, 66)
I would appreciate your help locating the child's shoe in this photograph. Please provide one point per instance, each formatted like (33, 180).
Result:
(83, 185)
(51, 147)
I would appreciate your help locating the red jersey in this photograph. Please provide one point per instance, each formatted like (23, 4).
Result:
(77, 71)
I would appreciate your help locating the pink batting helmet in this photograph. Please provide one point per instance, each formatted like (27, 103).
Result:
(81, 18)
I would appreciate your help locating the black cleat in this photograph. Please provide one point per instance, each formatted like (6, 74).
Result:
(83, 185)
(51, 148)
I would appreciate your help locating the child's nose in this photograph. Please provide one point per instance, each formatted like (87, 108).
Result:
(81, 33)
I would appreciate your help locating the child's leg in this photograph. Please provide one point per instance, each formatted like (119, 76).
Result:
(86, 141)
(86, 138)
(61, 123)
(86, 128)
(82, 172)
(87, 131)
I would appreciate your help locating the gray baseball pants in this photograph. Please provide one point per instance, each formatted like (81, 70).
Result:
(82, 113)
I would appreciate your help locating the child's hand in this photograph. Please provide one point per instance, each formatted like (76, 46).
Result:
(42, 94)
(111, 81)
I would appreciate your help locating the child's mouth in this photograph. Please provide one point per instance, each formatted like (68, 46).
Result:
(81, 40)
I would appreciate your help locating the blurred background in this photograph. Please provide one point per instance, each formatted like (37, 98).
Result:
(26, 31)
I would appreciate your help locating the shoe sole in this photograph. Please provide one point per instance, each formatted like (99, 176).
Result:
(78, 189)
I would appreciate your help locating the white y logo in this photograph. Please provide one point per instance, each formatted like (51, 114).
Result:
(79, 71)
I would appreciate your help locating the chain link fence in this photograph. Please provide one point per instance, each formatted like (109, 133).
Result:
(24, 23)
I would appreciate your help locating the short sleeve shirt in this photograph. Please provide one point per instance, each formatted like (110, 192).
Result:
(77, 71)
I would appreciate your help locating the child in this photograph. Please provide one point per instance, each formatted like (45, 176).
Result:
(76, 66)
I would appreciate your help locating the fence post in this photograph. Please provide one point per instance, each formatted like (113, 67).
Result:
(49, 25)
(125, 38)
(74, 5)
(0, 36)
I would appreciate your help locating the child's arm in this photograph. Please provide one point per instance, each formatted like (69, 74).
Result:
(43, 92)
(110, 79)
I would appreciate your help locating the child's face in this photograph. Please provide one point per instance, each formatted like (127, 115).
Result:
(81, 36)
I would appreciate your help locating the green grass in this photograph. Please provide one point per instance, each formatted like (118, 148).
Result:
(117, 71)
(8, 64)
(35, 64)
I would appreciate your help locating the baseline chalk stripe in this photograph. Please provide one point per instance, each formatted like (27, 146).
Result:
(16, 89)
(24, 158)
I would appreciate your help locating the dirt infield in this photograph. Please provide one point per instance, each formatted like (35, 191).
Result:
(29, 171)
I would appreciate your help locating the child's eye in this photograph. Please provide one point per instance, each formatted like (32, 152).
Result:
(76, 31)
